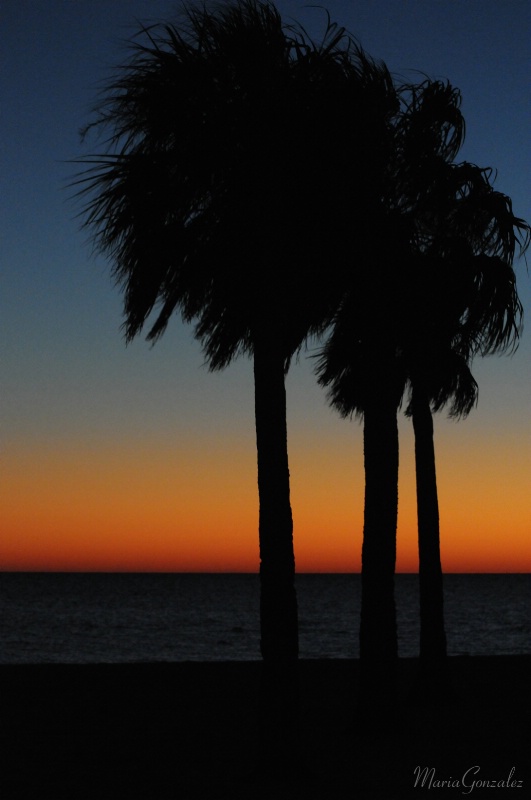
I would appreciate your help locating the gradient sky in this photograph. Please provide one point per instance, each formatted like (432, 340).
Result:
(138, 458)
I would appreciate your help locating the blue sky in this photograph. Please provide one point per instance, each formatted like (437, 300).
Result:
(66, 375)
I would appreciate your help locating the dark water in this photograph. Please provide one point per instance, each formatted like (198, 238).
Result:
(84, 617)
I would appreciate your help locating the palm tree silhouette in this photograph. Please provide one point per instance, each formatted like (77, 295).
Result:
(469, 306)
(364, 364)
(462, 302)
(364, 377)
(241, 158)
(449, 295)
(431, 389)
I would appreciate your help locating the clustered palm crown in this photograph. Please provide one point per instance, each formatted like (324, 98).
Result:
(219, 193)
(442, 288)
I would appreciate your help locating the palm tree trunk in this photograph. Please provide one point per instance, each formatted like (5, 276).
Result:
(378, 633)
(432, 633)
(278, 600)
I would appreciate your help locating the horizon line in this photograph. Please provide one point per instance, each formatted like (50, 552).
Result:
(228, 572)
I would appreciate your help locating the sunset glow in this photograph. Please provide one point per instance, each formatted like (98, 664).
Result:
(137, 458)
(127, 507)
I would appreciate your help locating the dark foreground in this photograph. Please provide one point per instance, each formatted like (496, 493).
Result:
(189, 730)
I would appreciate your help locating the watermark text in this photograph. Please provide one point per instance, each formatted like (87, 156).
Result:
(426, 777)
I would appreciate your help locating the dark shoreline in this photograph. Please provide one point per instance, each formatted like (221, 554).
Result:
(189, 730)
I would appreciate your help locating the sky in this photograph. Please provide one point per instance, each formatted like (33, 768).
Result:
(136, 458)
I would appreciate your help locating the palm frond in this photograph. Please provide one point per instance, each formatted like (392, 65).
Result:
(451, 238)
(201, 195)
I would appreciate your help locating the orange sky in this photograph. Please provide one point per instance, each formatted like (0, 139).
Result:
(191, 505)
(137, 458)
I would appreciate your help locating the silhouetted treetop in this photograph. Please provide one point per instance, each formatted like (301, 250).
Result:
(253, 156)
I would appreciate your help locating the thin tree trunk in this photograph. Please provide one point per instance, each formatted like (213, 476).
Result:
(278, 600)
(432, 686)
(432, 633)
(378, 632)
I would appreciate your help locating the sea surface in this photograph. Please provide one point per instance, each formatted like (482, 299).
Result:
(124, 617)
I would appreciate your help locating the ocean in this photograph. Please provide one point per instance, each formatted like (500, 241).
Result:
(131, 617)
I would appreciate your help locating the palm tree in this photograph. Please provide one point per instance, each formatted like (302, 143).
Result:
(462, 300)
(358, 364)
(240, 155)
(473, 309)
(364, 367)
(443, 377)
(443, 290)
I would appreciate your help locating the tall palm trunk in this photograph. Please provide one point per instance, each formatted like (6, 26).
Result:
(278, 600)
(432, 633)
(378, 632)
(432, 684)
